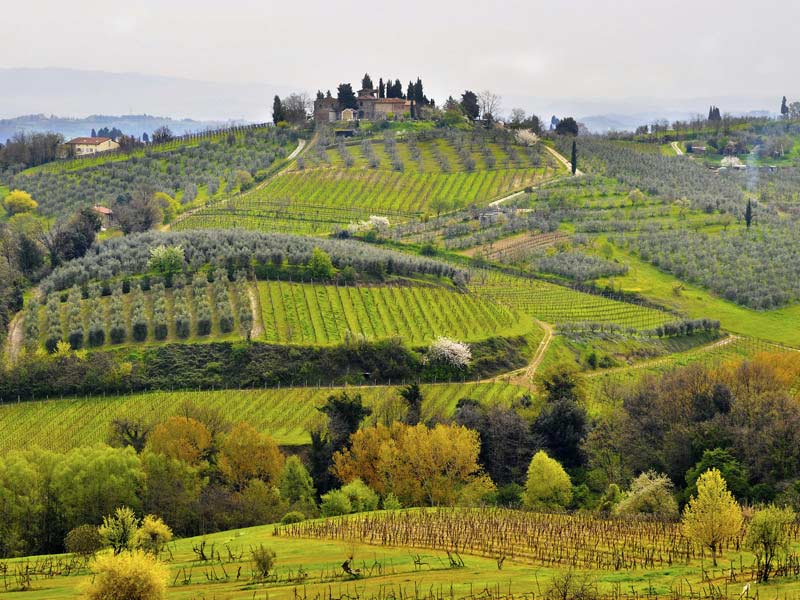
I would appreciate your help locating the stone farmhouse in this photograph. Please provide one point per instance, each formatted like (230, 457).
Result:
(370, 108)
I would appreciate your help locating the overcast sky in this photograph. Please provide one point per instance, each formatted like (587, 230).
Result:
(590, 49)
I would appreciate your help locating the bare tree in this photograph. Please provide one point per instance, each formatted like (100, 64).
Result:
(489, 103)
(517, 116)
(297, 107)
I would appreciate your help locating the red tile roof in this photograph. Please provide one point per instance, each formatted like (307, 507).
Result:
(102, 210)
(89, 141)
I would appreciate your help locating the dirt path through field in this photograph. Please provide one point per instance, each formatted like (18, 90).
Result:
(14, 339)
(257, 331)
(563, 161)
(665, 359)
(524, 377)
(301, 144)
(677, 148)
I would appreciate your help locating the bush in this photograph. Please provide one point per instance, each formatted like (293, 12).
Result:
(548, 486)
(391, 502)
(294, 516)
(134, 576)
(362, 497)
(335, 503)
(84, 541)
(263, 560)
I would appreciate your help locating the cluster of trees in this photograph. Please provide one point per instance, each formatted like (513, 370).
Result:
(293, 109)
(267, 254)
(196, 470)
(26, 150)
(714, 114)
(179, 172)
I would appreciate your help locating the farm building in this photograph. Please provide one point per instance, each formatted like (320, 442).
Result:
(106, 215)
(370, 108)
(81, 146)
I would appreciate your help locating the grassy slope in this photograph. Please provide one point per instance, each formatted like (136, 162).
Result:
(322, 559)
(325, 314)
(781, 325)
(287, 414)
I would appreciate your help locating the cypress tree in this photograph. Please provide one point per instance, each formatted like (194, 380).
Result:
(278, 113)
(748, 214)
(381, 89)
(574, 157)
(784, 107)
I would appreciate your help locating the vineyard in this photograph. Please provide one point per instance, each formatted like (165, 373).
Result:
(201, 309)
(582, 542)
(325, 314)
(558, 304)
(334, 186)
(287, 414)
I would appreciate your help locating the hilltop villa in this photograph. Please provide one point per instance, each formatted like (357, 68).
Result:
(370, 108)
(81, 146)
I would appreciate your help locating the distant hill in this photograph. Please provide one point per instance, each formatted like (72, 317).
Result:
(128, 124)
(82, 93)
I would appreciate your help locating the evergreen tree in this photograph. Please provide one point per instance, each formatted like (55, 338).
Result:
(366, 82)
(145, 138)
(381, 89)
(94, 133)
(320, 95)
(278, 113)
(398, 89)
(784, 108)
(419, 94)
(346, 96)
(413, 398)
(410, 90)
(328, 94)
(748, 213)
(469, 104)
(574, 160)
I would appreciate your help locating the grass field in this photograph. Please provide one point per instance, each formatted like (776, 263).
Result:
(287, 414)
(310, 568)
(558, 304)
(327, 314)
(781, 325)
(335, 186)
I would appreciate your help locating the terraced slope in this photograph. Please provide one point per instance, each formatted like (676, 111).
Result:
(334, 186)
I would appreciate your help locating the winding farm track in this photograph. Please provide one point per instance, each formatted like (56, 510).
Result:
(301, 144)
(257, 330)
(563, 160)
(14, 340)
(677, 148)
(666, 359)
(524, 377)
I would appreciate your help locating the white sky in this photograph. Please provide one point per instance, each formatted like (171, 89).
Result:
(600, 49)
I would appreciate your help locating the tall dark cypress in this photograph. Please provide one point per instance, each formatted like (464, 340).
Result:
(381, 89)
(748, 214)
(574, 157)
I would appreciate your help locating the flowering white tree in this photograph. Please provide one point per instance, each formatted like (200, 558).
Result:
(449, 352)
(380, 224)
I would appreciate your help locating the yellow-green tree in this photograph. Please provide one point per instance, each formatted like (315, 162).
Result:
(184, 438)
(548, 486)
(246, 454)
(18, 201)
(713, 515)
(768, 536)
(152, 535)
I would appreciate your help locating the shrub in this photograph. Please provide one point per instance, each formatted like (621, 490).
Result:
(362, 497)
(84, 540)
(152, 535)
(335, 503)
(134, 576)
(449, 352)
(263, 560)
(294, 516)
(650, 494)
(391, 502)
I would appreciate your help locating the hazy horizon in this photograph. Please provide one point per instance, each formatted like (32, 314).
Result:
(541, 56)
